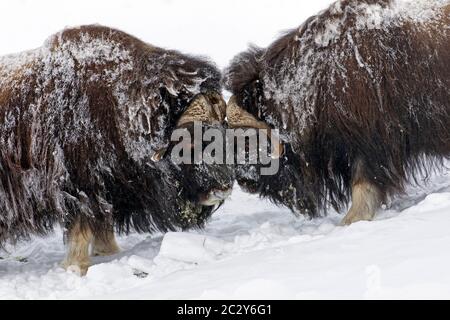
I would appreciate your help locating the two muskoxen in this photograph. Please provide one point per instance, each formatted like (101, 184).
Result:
(85, 123)
(361, 96)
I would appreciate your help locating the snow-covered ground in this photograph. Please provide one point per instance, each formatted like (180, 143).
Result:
(250, 249)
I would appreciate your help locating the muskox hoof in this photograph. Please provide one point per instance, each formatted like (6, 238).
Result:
(366, 199)
(105, 246)
(96, 252)
(351, 220)
(353, 217)
(78, 269)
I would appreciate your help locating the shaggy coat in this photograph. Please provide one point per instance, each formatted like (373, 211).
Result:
(81, 119)
(360, 91)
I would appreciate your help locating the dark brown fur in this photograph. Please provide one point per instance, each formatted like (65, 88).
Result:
(379, 102)
(80, 120)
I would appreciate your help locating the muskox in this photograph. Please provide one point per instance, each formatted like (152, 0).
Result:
(85, 129)
(361, 96)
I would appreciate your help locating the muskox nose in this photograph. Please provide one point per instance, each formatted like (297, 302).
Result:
(215, 197)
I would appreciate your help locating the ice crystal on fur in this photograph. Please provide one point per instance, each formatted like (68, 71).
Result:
(364, 80)
(81, 118)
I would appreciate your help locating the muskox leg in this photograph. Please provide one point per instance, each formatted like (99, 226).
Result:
(79, 237)
(105, 244)
(366, 197)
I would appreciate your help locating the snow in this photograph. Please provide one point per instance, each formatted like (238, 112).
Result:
(419, 11)
(295, 84)
(188, 247)
(331, 32)
(251, 249)
(254, 250)
(375, 16)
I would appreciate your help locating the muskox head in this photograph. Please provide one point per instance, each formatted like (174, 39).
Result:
(201, 186)
(286, 186)
(207, 184)
(157, 93)
(248, 108)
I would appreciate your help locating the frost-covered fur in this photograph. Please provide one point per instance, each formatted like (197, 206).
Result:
(363, 82)
(81, 118)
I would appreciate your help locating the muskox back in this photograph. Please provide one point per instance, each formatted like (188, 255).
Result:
(80, 120)
(363, 82)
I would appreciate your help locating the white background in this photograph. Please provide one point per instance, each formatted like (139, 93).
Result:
(219, 29)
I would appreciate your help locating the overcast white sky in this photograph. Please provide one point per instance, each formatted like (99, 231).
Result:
(217, 28)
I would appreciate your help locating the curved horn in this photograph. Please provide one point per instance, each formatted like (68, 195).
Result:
(208, 108)
(159, 155)
(239, 118)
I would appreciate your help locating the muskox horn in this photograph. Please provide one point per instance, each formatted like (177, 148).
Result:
(239, 118)
(209, 108)
(159, 155)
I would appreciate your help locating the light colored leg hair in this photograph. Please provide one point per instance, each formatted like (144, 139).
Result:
(366, 197)
(366, 200)
(78, 259)
(106, 245)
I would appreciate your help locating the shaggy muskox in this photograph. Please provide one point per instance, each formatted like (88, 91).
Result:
(85, 129)
(361, 96)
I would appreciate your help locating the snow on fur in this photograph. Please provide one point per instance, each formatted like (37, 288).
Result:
(81, 118)
(363, 84)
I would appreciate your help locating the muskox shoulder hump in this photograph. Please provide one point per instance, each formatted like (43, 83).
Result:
(244, 69)
(91, 32)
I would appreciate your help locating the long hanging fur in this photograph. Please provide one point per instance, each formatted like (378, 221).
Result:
(365, 81)
(81, 118)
